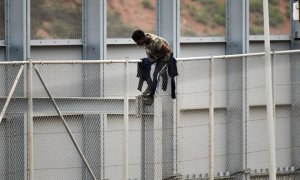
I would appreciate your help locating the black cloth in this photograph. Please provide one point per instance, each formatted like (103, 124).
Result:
(144, 69)
(172, 68)
(143, 72)
(173, 72)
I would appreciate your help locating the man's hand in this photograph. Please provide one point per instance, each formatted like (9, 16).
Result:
(152, 58)
(165, 49)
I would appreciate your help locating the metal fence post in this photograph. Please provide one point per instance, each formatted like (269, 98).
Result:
(29, 122)
(211, 119)
(126, 108)
(269, 94)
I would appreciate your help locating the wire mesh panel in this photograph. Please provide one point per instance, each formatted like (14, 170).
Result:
(295, 66)
(55, 155)
(13, 146)
(258, 149)
(114, 148)
(282, 86)
(234, 114)
(192, 96)
(13, 143)
(8, 77)
(94, 92)
(80, 132)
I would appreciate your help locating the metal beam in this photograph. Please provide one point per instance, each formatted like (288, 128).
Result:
(81, 105)
(168, 22)
(237, 24)
(15, 30)
(168, 27)
(94, 48)
(94, 31)
(16, 48)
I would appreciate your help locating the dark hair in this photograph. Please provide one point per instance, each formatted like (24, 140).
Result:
(138, 34)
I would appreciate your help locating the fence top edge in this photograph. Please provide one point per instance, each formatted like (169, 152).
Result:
(138, 60)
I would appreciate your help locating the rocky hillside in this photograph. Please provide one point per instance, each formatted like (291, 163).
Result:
(62, 18)
(198, 17)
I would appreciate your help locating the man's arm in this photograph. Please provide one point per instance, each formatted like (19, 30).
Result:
(150, 56)
(164, 52)
(165, 49)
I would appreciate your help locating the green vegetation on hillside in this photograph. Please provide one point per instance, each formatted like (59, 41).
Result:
(117, 28)
(207, 13)
(52, 19)
(147, 4)
(58, 19)
(277, 15)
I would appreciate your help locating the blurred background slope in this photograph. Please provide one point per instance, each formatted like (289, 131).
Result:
(62, 19)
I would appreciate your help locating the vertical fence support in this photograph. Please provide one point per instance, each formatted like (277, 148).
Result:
(29, 96)
(269, 94)
(211, 119)
(245, 120)
(29, 122)
(174, 137)
(273, 85)
(158, 137)
(126, 123)
(179, 134)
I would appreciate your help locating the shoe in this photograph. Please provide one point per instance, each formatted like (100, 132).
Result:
(147, 91)
(148, 100)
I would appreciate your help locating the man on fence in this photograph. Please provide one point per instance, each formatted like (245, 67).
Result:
(158, 51)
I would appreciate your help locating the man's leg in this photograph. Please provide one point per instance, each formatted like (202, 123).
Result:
(149, 83)
(159, 65)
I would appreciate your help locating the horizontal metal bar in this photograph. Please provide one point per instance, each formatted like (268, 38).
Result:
(201, 108)
(129, 41)
(89, 105)
(13, 62)
(71, 106)
(120, 41)
(83, 61)
(68, 62)
(272, 38)
(56, 42)
(238, 55)
(188, 40)
(138, 60)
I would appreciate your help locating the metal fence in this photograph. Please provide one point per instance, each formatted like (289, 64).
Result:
(89, 121)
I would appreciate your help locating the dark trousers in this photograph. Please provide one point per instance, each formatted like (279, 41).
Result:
(159, 66)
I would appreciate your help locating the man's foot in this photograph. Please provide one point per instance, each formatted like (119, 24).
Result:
(147, 91)
(148, 100)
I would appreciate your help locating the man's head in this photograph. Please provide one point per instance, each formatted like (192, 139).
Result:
(139, 37)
